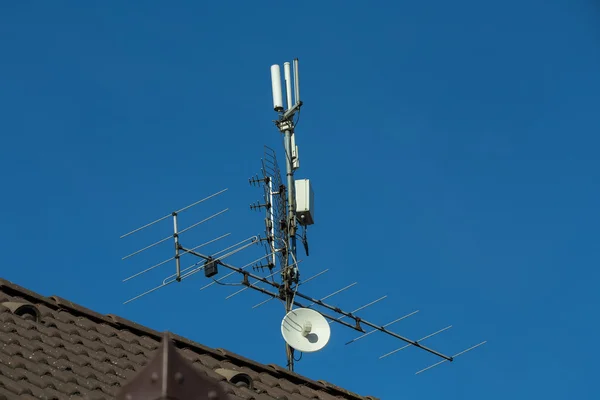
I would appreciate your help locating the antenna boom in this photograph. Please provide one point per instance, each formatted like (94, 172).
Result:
(356, 319)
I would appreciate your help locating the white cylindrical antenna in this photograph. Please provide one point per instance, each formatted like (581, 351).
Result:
(276, 85)
(296, 82)
(287, 73)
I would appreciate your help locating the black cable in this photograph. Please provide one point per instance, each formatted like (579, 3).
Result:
(227, 284)
(297, 119)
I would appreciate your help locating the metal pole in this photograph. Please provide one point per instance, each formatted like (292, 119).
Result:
(291, 197)
(177, 248)
(272, 217)
(288, 275)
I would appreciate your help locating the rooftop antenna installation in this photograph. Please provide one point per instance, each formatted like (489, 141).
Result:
(289, 211)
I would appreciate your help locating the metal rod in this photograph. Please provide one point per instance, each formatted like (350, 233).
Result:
(339, 291)
(253, 240)
(435, 333)
(363, 307)
(147, 247)
(368, 304)
(272, 233)
(145, 226)
(168, 215)
(409, 345)
(171, 259)
(176, 237)
(312, 277)
(204, 220)
(209, 242)
(291, 111)
(271, 154)
(262, 303)
(454, 356)
(384, 326)
(291, 215)
(470, 348)
(334, 309)
(148, 269)
(334, 293)
(431, 366)
(148, 292)
(288, 274)
(201, 201)
(184, 272)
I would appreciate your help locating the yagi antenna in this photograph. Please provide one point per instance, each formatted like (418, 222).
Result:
(287, 207)
(179, 251)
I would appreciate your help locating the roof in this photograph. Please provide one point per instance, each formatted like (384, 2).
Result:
(51, 348)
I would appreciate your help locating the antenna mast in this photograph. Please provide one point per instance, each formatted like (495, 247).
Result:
(289, 210)
(285, 124)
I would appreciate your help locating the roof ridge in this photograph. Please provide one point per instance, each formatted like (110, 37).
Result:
(58, 303)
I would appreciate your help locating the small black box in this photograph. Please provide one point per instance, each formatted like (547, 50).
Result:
(210, 268)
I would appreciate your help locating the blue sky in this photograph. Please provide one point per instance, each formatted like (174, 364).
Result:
(453, 148)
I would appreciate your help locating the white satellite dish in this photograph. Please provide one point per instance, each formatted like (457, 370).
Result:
(305, 330)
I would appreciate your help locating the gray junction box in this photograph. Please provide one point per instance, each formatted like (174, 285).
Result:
(305, 206)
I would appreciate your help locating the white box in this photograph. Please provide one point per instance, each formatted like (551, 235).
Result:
(305, 206)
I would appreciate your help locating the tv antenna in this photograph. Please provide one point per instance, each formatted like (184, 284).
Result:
(289, 211)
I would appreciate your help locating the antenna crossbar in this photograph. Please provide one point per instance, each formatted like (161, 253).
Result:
(176, 233)
(358, 321)
(385, 326)
(363, 307)
(420, 340)
(171, 214)
(203, 221)
(334, 293)
(454, 356)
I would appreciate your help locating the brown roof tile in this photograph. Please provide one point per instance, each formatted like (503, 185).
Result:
(73, 352)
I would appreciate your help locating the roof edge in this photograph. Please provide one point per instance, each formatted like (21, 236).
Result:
(59, 303)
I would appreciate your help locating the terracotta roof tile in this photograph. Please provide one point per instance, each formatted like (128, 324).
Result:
(75, 353)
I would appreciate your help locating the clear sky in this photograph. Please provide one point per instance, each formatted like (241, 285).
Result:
(453, 148)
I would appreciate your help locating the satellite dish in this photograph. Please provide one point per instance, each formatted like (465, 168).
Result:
(305, 330)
